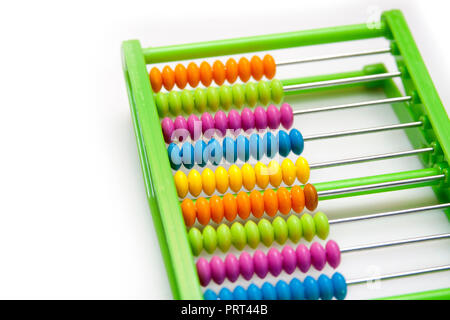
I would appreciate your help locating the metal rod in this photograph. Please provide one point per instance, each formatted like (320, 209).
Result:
(370, 158)
(336, 56)
(399, 274)
(391, 213)
(360, 131)
(353, 105)
(379, 185)
(327, 83)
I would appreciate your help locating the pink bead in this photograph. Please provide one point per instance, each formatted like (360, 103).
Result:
(273, 117)
(221, 123)
(217, 269)
(167, 129)
(287, 116)
(204, 272)
(231, 267)
(333, 254)
(289, 259)
(247, 119)
(260, 118)
(275, 261)
(260, 263)
(234, 120)
(246, 265)
(207, 124)
(181, 128)
(318, 256)
(303, 258)
(194, 126)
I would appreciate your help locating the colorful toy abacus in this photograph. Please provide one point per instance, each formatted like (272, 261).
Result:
(204, 193)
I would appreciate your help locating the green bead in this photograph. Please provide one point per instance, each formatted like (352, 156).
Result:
(238, 95)
(200, 99)
(209, 239)
(187, 101)
(280, 230)
(308, 226)
(251, 94)
(174, 103)
(213, 97)
(196, 241)
(322, 226)
(295, 230)
(223, 237)
(226, 97)
(265, 231)
(238, 236)
(264, 92)
(276, 88)
(162, 104)
(251, 229)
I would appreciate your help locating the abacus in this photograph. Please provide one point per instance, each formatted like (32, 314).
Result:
(215, 188)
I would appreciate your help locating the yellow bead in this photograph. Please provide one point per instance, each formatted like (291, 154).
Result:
(208, 181)
(275, 176)
(181, 183)
(248, 176)
(289, 171)
(221, 179)
(302, 170)
(262, 175)
(195, 182)
(235, 178)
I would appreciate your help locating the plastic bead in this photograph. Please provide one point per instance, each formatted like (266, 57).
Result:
(289, 259)
(226, 97)
(280, 230)
(181, 129)
(275, 175)
(246, 265)
(187, 101)
(244, 69)
(303, 258)
(168, 77)
(276, 88)
(217, 267)
(229, 150)
(235, 178)
(256, 146)
(239, 293)
(289, 171)
(180, 76)
(283, 292)
(204, 271)
(311, 197)
(196, 241)
(270, 145)
(203, 211)
(208, 181)
(217, 211)
(318, 256)
(155, 79)
(231, 70)
(297, 143)
(333, 254)
(264, 93)
(284, 200)
(297, 289)
(295, 230)
(208, 124)
(243, 205)
(214, 151)
(238, 92)
(209, 239)
(284, 143)
(205, 73)
(322, 225)
(298, 199)
(260, 264)
(308, 227)
(187, 155)
(200, 154)
(221, 123)
(260, 118)
(286, 116)
(219, 73)
(189, 212)
(251, 94)
(234, 120)
(195, 182)
(339, 286)
(174, 153)
(167, 129)
(248, 177)
(311, 288)
(243, 148)
(270, 202)
(269, 66)
(325, 287)
(162, 104)
(247, 119)
(193, 74)
(265, 232)
(257, 203)
(257, 68)
(229, 206)
(302, 170)
(210, 295)
(254, 293)
(273, 117)
(181, 183)
(262, 175)
(213, 98)
(268, 291)
(225, 294)
(238, 237)
(174, 100)
(251, 229)
(224, 237)
(201, 100)
(221, 179)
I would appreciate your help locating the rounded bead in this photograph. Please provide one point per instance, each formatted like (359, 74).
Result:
(264, 93)
(221, 123)
(243, 205)
(248, 176)
(229, 150)
(339, 286)
(174, 100)
(276, 88)
(322, 225)
(275, 175)
(318, 256)
(208, 181)
(261, 175)
(238, 236)
(180, 76)
(289, 259)
(268, 291)
(195, 182)
(257, 203)
(167, 129)
(284, 143)
(187, 101)
(203, 211)
(225, 294)
(311, 288)
(295, 230)
(325, 287)
(210, 295)
(288, 170)
(196, 241)
(303, 258)
(252, 232)
(247, 120)
(270, 202)
(265, 232)
(253, 292)
(270, 145)
(155, 79)
(174, 153)
(260, 264)
(224, 237)
(302, 170)
(162, 104)
(257, 68)
(193, 74)
(231, 68)
(244, 69)
(273, 117)
(311, 197)
(256, 146)
(187, 155)
(207, 124)
(205, 73)
(297, 143)
(243, 148)
(231, 267)
(200, 154)
(234, 120)
(204, 272)
(219, 73)
(298, 199)
(251, 94)
(229, 206)
(194, 126)
(181, 183)
(246, 265)
(235, 178)
(214, 151)
(333, 254)
(168, 77)
(284, 200)
(221, 179)
(275, 261)
(226, 97)
(238, 92)
(283, 291)
(209, 239)
(260, 118)
(200, 99)
(286, 115)
(239, 293)
(308, 227)
(269, 66)
(297, 289)
(213, 97)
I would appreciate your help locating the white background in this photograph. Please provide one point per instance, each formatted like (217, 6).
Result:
(74, 220)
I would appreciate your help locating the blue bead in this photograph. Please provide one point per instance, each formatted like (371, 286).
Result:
(214, 151)
(229, 150)
(283, 291)
(210, 295)
(225, 294)
(200, 154)
(187, 155)
(268, 291)
(270, 145)
(297, 289)
(239, 293)
(253, 292)
(284, 143)
(339, 286)
(174, 153)
(256, 148)
(243, 148)
(311, 288)
(325, 287)
(297, 143)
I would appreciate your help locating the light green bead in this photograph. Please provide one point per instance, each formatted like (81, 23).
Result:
(213, 97)
(264, 92)
(238, 92)
(322, 225)
(223, 237)
(187, 101)
(209, 239)
(226, 97)
(276, 89)
(200, 99)
(238, 236)
(280, 230)
(308, 226)
(174, 103)
(251, 229)
(295, 230)
(251, 94)
(162, 104)
(265, 231)
(196, 241)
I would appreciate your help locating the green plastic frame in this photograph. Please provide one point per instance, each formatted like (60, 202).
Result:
(161, 192)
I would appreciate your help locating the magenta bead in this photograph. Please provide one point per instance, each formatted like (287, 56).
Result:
(181, 128)
(275, 261)
(221, 123)
(273, 117)
(260, 118)
(260, 263)
(207, 124)
(204, 272)
(318, 256)
(333, 254)
(289, 259)
(232, 267)
(246, 265)
(234, 120)
(194, 126)
(303, 258)
(287, 116)
(247, 119)
(217, 269)
(167, 129)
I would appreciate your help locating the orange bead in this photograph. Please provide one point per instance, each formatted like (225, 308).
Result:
(284, 200)
(216, 205)
(229, 206)
(311, 197)
(270, 202)
(205, 73)
(189, 212)
(257, 67)
(219, 73)
(231, 70)
(193, 74)
(297, 199)
(269, 66)
(244, 69)
(155, 79)
(168, 77)
(257, 203)
(203, 211)
(243, 204)
(180, 76)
